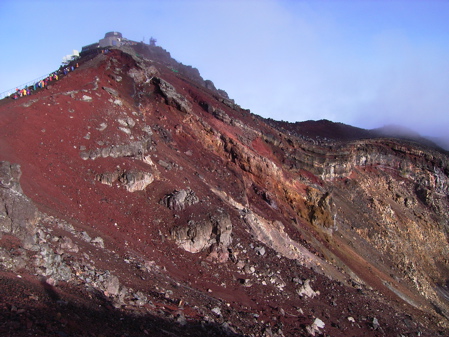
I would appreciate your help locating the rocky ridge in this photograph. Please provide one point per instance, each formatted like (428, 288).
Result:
(136, 189)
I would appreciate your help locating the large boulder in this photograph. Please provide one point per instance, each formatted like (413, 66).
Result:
(213, 233)
(179, 200)
(133, 180)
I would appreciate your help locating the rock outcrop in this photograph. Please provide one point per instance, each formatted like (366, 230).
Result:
(132, 180)
(18, 214)
(172, 97)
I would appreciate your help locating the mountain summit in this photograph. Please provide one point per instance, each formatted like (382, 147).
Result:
(137, 199)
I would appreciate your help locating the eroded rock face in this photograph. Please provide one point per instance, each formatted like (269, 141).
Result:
(320, 208)
(251, 161)
(272, 234)
(18, 215)
(141, 74)
(405, 222)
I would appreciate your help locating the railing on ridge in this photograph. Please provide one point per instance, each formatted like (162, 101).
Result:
(22, 86)
(86, 57)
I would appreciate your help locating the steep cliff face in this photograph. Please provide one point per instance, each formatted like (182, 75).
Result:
(146, 185)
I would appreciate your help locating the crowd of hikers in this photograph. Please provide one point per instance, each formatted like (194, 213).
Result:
(28, 90)
(62, 71)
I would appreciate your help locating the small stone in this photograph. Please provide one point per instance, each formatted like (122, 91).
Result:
(319, 323)
(165, 165)
(217, 311)
(181, 319)
(111, 91)
(315, 327)
(98, 241)
(260, 250)
(240, 264)
(306, 290)
(375, 324)
(85, 236)
(102, 127)
(112, 285)
(125, 130)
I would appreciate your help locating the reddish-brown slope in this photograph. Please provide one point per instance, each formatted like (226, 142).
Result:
(46, 134)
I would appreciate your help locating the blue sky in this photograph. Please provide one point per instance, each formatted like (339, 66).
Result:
(363, 63)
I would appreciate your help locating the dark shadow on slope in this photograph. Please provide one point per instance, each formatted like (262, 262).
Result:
(33, 309)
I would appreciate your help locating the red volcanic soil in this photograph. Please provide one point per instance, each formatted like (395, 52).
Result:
(47, 132)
